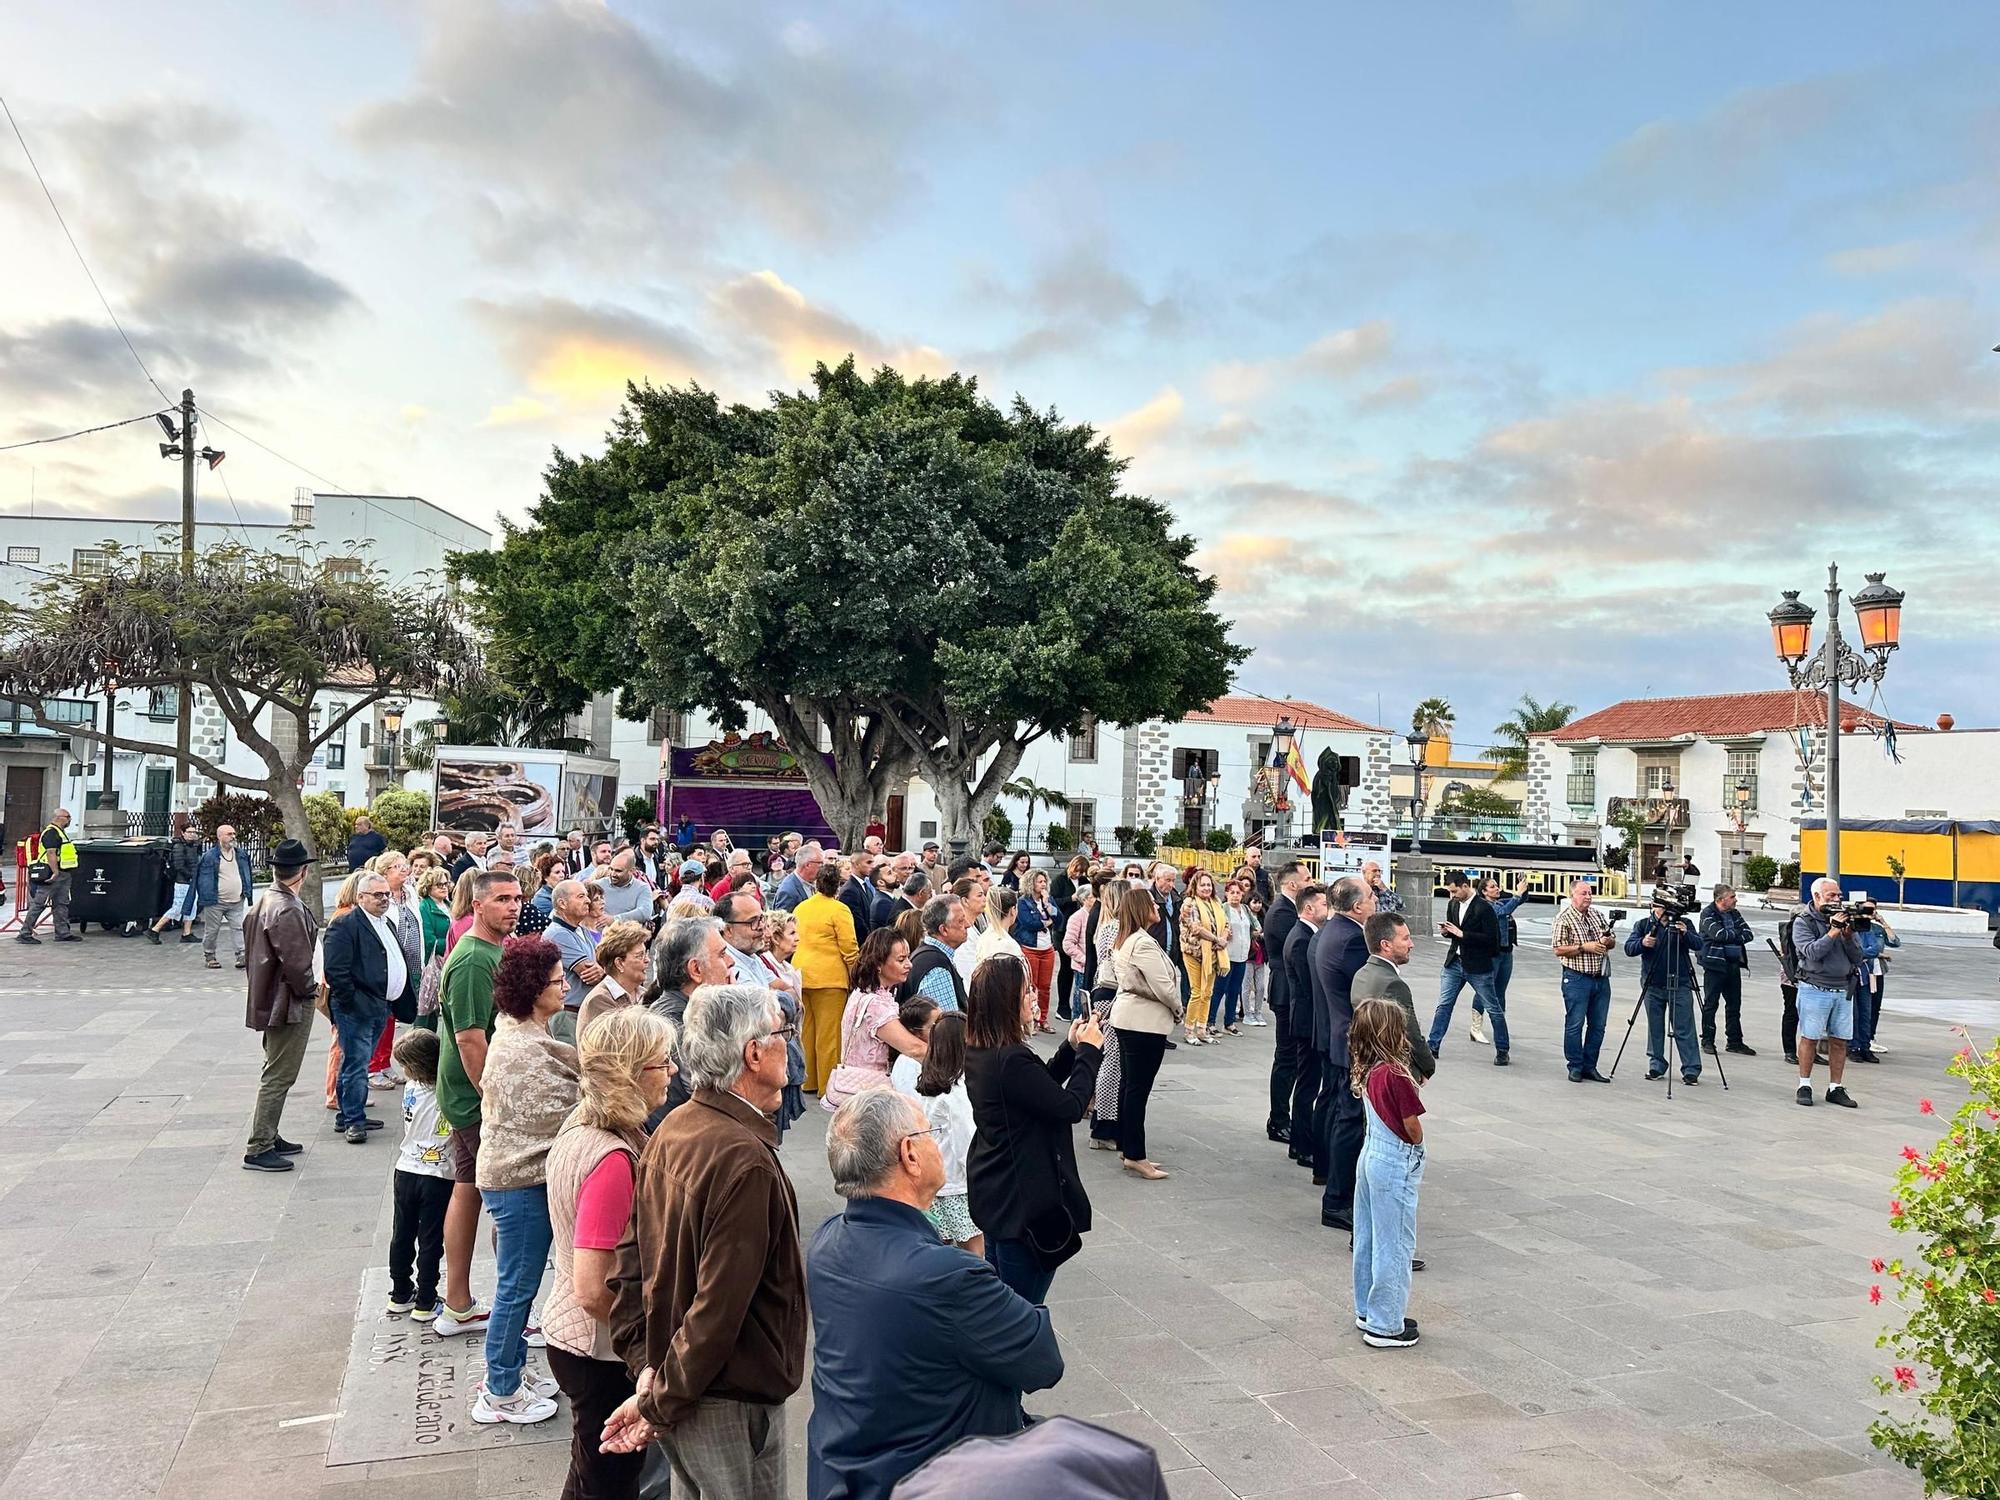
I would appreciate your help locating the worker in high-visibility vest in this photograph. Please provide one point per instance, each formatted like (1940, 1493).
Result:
(50, 877)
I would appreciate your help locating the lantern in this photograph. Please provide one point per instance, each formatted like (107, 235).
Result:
(1879, 610)
(1791, 627)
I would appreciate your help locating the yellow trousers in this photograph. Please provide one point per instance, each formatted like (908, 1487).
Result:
(1202, 972)
(819, 1037)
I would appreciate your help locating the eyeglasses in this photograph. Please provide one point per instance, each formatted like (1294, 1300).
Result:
(787, 1031)
(912, 1135)
(665, 1067)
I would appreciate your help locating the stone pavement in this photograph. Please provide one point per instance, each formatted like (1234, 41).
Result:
(1626, 1297)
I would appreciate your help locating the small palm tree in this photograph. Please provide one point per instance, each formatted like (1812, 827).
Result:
(1510, 739)
(1033, 796)
(1433, 716)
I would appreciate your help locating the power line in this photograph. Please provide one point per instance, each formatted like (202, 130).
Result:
(80, 432)
(78, 252)
(334, 484)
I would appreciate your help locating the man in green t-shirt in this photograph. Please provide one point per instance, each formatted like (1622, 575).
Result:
(465, 1022)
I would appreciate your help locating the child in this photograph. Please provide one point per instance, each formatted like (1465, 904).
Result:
(423, 1181)
(1387, 1176)
(918, 1014)
(941, 1092)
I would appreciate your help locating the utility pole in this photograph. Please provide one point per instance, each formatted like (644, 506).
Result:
(184, 714)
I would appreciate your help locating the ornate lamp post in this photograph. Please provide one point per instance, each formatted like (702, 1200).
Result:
(1282, 735)
(1878, 611)
(1419, 743)
(392, 726)
(1739, 812)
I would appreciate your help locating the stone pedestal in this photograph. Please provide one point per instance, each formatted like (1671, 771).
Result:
(1415, 876)
(103, 822)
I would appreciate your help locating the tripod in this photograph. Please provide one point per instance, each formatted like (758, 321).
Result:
(1672, 945)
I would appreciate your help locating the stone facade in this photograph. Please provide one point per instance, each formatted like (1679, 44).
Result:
(1152, 805)
(1369, 805)
(1536, 824)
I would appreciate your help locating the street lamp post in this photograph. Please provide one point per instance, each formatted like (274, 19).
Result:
(1739, 814)
(1419, 743)
(1280, 770)
(1878, 610)
(392, 726)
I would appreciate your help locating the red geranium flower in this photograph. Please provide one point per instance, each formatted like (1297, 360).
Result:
(1876, 1265)
(1875, 1294)
(1924, 1107)
(1895, 1205)
(1989, 1295)
(1906, 1377)
(1910, 1153)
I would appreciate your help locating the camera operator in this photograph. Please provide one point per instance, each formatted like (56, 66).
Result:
(1875, 936)
(1725, 953)
(1828, 955)
(1664, 942)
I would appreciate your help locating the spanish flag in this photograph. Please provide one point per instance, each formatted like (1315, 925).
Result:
(1296, 764)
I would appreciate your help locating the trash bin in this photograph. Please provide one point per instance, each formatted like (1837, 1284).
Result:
(118, 881)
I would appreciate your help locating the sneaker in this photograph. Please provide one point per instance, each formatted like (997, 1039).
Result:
(267, 1161)
(524, 1406)
(424, 1314)
(532, 1336)
(395, 1308)
(284, 1147)
(213, 963)
(1479, 1032)
(356, 1136)
(1838, 1095)
(190, 937)
(1654, 1075)
(1743, 1049)
(29, 937)
(153, 936)
(69, 937)
(1361, 1323)
(1690, 1079)
(472, 1320)
(1805, 1095)
(1404, 1340)
(542, 1385)
(383, 1081)
(1708, 1046)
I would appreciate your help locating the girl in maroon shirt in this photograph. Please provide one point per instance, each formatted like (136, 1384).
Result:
(1387, 1177)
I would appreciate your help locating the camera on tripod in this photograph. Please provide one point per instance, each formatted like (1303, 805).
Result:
(1678, 900)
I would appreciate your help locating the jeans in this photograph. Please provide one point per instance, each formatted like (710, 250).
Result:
(1021, 1270)
(416, 1236)
(1139, 1055)
(1284, 1069)
(1229, 995)
(521, 1248)
(1385, 1225)
(1586, 1007)
(1451, 980)
(1658, 999)
(1254, 980)
(1724, 992)
(357, 1033)
(1867, 1012)
(1344, 1141)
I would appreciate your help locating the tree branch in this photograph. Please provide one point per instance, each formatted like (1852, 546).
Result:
(211, 769)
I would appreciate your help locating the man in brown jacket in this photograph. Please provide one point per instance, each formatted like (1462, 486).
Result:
(709, 1300)
(278, 947)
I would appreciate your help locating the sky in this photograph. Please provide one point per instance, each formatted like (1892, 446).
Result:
(1484, 349)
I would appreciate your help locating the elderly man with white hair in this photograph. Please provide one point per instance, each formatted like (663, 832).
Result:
(710, 1304)
(1828, 954)
(916, 1344)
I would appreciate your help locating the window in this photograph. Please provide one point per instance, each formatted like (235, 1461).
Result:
(1083, 744)
(91, 562)
(163, 703)
(1656, 775)
(291, 569)
(1583, 780)
(669, 726)
(163, 560)
(1082, 818)
(24, 554)
(343, 570)
(1742, 767)
(364, 734)
(336, 755)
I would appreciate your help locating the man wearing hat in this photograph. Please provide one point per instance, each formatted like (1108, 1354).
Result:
(691, 872)
(278, 950)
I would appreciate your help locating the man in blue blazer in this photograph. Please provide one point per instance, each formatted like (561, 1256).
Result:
(1337, 957)
(915, 1343)
(365, 970)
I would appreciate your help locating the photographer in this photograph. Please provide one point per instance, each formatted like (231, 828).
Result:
(1876, 936)
(1725, 954)
(1828, 955)
(1664, 942)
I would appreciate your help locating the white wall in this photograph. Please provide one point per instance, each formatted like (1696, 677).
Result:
(1956, 774)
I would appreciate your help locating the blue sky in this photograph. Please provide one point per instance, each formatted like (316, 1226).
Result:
(1487, 349)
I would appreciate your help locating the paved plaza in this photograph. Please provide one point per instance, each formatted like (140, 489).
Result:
(1626, 1296)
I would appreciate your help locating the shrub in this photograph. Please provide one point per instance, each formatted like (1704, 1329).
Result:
(1059, 840)
(255, 819)
(327, 819)
(1221, 840)
(1124, 833)
(1788, 874)
(1143, 844)
(1760, 872)
(998, 828)
(1948, 1347)
(401, 817)
(1175, 838)
(634, 813)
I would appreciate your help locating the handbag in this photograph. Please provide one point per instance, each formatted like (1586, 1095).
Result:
(429, 987)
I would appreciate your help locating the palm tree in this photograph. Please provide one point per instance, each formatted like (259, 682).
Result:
(1032, 795)
(491, 713)
(1510, 740)
(1433, 716)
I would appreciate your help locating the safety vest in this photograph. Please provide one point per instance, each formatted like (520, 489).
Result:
(65, 850)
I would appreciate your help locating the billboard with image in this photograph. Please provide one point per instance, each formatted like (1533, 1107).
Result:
(484, 796)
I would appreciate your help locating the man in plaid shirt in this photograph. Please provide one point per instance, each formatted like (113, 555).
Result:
(1582, 939)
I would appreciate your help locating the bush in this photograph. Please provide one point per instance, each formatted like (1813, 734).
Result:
(1124, 833)
(255, 819)
(1175, 838)
(1950, 1195)
(1788, 874)
(1760, 872)
(634, 813)
(327, 819)
(1143, 844)
(401, 817)
(998, 828)
(1221, 840)
(1059, 840)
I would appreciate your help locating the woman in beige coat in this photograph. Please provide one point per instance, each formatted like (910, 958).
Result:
(1145, 1010)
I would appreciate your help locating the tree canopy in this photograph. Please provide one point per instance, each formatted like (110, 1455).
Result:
(895, 568)
(1510, 738)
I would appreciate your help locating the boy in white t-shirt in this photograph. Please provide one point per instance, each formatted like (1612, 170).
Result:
(423, 1182)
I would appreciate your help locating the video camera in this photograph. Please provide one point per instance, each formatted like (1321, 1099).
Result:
(1616, 915)
(1860, 914)
(1678, 900)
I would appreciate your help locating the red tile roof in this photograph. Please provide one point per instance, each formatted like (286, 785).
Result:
(1265, 711)
(1715, 716)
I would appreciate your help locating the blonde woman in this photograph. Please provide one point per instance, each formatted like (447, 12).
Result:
(343, 903)
(1147, 1005)
(625, 1060)
(461, 910)
(1204, 950)
(826, 954)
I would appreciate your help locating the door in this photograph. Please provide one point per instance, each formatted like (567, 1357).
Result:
(894, 823)
(24, 802)
(159, 802)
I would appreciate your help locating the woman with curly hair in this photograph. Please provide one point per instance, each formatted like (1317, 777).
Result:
(527, 1089)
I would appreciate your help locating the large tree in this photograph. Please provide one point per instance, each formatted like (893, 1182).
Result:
(894, 568)
(256, 632)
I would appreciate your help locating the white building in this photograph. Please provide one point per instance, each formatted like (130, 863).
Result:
(1694, 765)
(404, 535)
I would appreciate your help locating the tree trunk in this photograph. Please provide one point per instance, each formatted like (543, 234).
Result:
(291, 806)
(965, 795)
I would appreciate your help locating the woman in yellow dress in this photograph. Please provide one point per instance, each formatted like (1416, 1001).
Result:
(1205, 948)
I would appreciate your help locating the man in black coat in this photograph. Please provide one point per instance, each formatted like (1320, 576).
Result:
(1336, 958)
(857, 894)
(1279, 921)
(1474, 930)
(1311, 901)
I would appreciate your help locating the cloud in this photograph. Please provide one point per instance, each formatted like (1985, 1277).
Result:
(779, 325)
(577, 359)
(1076, 301)
(1334, 357)
(586, 136)
(1146, 426)
(1880, 260)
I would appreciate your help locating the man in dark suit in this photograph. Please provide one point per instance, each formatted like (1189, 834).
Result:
(1167, 929)
(1311, 900)
(1337, 957)
(1279, 921)
(857, 894)
(1474, 930)
(365, 970)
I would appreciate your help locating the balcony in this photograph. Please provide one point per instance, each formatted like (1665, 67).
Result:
(1582, 791)
(16, 718)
